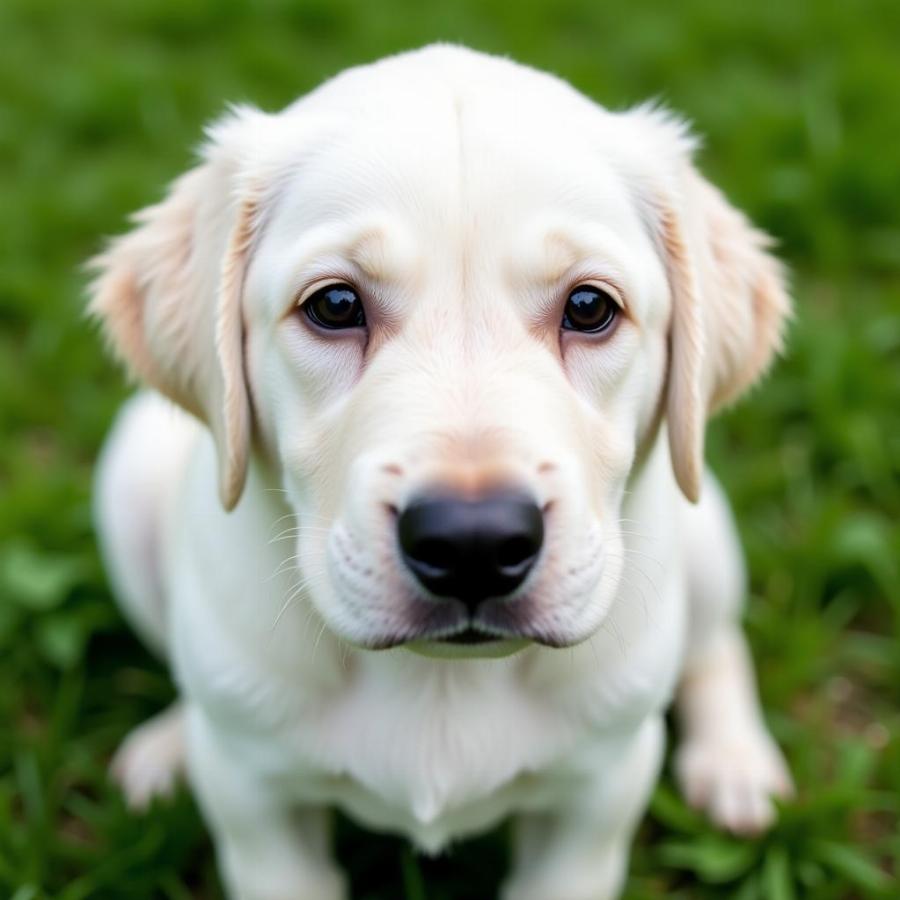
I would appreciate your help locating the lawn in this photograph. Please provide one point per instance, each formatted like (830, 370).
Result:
(100, 105)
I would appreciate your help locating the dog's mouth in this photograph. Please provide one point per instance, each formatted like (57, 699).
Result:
(499, 630)
(471, 636)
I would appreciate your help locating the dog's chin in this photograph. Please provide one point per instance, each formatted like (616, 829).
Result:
(460, 641)
(481, 647)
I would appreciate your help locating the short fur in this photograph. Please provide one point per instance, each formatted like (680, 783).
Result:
(465, 196)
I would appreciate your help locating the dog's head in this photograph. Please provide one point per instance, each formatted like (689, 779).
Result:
(450, 300)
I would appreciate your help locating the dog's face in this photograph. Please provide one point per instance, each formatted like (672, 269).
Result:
(458, 298)
(455, 305)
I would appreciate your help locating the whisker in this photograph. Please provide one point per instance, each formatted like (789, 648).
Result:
(631, 566)
(647, 578)
(316, 645)
(294, 592)
(646, 556)
(288, 515)
(640, 535)
(594, 653)
(345, 649)
(298, 531)
(283, 566)
(627, 582)
(281, 612)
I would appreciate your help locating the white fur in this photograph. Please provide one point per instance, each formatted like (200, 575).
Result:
(465, 196)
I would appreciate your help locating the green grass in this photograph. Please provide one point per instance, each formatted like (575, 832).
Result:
(100, 103)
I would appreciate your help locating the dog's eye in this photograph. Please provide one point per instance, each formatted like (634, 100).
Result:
(335, 306)
(589, 309)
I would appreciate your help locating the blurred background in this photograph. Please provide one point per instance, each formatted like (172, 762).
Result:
(101, 103)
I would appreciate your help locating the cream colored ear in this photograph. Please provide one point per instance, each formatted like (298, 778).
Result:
(169, 297)
(729, 305)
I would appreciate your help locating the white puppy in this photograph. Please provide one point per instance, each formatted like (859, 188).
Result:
(454, 331)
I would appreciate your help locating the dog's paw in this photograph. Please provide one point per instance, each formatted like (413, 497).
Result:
(150, 760)
(734, 779)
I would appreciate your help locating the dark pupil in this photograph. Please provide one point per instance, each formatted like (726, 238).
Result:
(588, 310)
(337, 307)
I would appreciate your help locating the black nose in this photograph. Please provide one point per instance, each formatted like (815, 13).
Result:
(471, 549)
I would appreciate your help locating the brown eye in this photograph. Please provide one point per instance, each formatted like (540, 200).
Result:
(335, 306)
(589, 309)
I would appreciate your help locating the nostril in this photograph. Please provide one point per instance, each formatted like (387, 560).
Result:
(515, 551)
(436, 554)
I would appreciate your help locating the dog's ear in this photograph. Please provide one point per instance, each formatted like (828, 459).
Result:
(729, 299)
(168, 293)
(729, 306)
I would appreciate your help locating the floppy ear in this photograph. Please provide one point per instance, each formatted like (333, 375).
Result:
(729, 306)
(168, 294)
(729, 301)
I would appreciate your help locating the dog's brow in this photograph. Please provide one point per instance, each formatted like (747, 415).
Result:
(561, 252)
(370, 251)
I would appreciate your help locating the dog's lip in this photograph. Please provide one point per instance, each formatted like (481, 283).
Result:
(462, 636)
(466, 633)
(503, 627)
(469, 636)
(471, 639)
(446, 625)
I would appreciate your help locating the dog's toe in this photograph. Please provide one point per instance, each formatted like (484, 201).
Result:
(733, 780)
(150, 760)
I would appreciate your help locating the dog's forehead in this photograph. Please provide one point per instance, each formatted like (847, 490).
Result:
(443, 127)
(443, 148)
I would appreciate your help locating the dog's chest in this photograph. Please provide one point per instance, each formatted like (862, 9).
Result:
(428, 752)
(438, 752)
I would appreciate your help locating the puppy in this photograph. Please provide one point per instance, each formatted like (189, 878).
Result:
(435, 544)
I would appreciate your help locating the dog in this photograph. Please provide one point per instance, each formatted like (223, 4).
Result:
(427, 535)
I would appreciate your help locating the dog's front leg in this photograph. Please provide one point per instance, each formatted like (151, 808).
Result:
(727, 762)
(580, 851)
(268, 849)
